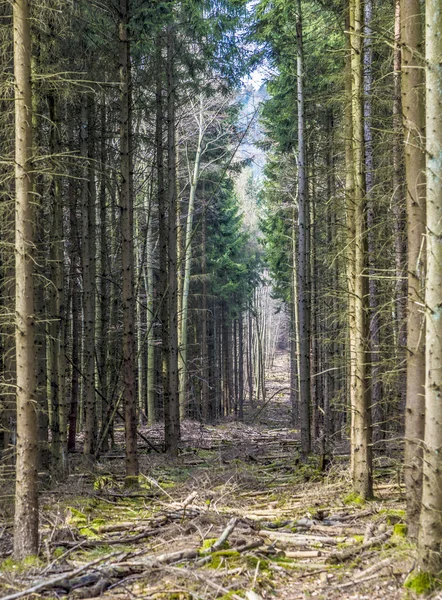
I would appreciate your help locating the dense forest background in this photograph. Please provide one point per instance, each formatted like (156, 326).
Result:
(169, 226)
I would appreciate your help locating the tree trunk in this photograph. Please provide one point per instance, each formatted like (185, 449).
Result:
(373, 292)
(414, 124)
(127, 249)
(361, 441)
(188, 263)
(88, 292)
(430, 530)
(26, 487)
(241, 367)
(103, 324)
(171, 412)
(303, 259)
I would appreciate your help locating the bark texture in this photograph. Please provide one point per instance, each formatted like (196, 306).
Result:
(430, 531)
(26, 491)
(414, 125)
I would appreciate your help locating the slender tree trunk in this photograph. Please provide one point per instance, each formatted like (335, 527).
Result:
(171, 412)
(430, 530)
(241, 367)
(204, 317)
(414, 125)
(103, 324)
(151, 413)
(163, 232)
(399, 206)
(374, 317)
(88, 293)
(26, 486)
(188, 264)
(127, 249)
(303, 262)
(361, 442)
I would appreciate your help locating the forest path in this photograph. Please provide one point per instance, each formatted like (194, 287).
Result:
(295, 533)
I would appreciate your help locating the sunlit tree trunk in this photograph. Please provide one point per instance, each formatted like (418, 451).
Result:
(430, 530)
(26, 487)
(361, 430)
(414, 124)
(188, 263)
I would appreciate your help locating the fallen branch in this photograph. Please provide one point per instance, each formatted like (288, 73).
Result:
(50, 583)
(112, 542)
(343, 556)
(225, 534)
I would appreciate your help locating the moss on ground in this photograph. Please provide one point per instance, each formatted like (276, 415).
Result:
(420, 582)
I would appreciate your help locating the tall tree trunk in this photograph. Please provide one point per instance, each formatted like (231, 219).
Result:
(127, 248)
(103, 324)
(56, 370)
(303, 262)
(188, 263)
(430, 530)
(88, 291)
(151, 413)
(204, 316)
(361, 442)
(241, 367)
(414, 125)
(373, 292)
(171, 412)
(26, 487)
(399, 206)
(162, 230)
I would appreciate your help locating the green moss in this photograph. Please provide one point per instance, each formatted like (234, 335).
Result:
(77, 518)
(220, 557)
(207, 544)
(400, 529)
(59, 551)
(394, 515)
(88, 532)
(358, 538)
(353, 498)
(232, 594)
(420, 582)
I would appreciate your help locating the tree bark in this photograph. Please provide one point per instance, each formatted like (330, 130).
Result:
(430, 530)
(188, 263)
(26, 487)
(414, 126)
(361, 439)
(127, 248)
(171, 412)
(303, 259)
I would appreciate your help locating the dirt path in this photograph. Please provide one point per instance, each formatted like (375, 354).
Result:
(292, 527)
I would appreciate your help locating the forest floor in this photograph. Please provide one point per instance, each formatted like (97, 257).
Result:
(235, 516)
